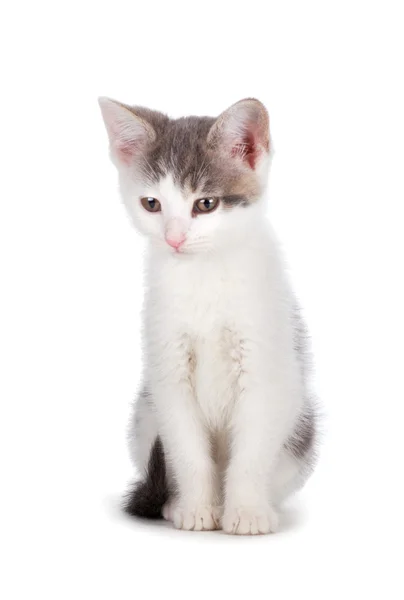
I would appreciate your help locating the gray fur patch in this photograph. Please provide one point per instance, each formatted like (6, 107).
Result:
(181, 148)
(302, 443)
(148, 496)
(302, 440)
(234, 200)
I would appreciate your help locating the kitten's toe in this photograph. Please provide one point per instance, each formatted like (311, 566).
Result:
(199, 518)
(250, 521)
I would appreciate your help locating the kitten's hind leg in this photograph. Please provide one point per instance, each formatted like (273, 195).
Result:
(288, 477)
(298, 456)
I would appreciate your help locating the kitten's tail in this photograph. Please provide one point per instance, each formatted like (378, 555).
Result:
(149, 495)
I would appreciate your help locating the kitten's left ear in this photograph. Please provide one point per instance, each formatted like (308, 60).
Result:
(128, 133)
(242, 131)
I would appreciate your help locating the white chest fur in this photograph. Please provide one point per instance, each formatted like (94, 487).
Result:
(193, 301)
(209, 306)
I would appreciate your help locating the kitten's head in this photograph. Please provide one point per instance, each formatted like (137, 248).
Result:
(191, 184)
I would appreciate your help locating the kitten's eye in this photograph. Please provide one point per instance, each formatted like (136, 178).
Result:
(151, 204)
(205, 205)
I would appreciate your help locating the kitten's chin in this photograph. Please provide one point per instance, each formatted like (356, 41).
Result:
(194, 248)
(182, 252)
(191, 249)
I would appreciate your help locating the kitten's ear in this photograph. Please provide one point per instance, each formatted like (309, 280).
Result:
(128, 134)
(242, 131)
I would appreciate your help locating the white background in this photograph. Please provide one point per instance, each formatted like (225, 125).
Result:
(331, 74)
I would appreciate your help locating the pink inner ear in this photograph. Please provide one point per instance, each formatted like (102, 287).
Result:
(125, 149)
(247, 149)
(127, 133)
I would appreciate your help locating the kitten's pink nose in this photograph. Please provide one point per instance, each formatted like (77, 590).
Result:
(175, 232)
(175, 242)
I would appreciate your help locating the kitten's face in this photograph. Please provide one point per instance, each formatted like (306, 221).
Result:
(192, 185)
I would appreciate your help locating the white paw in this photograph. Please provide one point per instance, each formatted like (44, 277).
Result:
(250, 521)
(198, 518)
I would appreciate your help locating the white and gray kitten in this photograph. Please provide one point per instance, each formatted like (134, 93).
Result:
(225, 426)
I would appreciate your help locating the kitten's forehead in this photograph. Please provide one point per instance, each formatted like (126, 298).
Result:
(181, 151)
(177, 200)
(172, 192)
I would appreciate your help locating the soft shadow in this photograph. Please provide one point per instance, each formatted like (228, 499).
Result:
(113, 505)
(293, 515)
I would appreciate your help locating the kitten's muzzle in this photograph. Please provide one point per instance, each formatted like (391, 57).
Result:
(175, 232)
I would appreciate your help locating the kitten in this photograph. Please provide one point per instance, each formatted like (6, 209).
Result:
(225, 427)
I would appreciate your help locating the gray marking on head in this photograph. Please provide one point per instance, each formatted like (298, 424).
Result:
(181, 148)
(236, 199)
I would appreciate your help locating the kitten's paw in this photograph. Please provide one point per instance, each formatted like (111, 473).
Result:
(250, 521)
(198, 518)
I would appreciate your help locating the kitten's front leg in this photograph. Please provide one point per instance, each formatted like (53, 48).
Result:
(186, 444)
(261, 418)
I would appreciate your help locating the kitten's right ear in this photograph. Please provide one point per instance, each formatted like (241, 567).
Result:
(128, 134)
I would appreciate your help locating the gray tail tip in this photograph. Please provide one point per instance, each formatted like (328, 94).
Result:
(147, 497)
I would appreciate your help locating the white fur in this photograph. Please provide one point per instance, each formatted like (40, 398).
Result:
(219, 360)
(230, 306)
